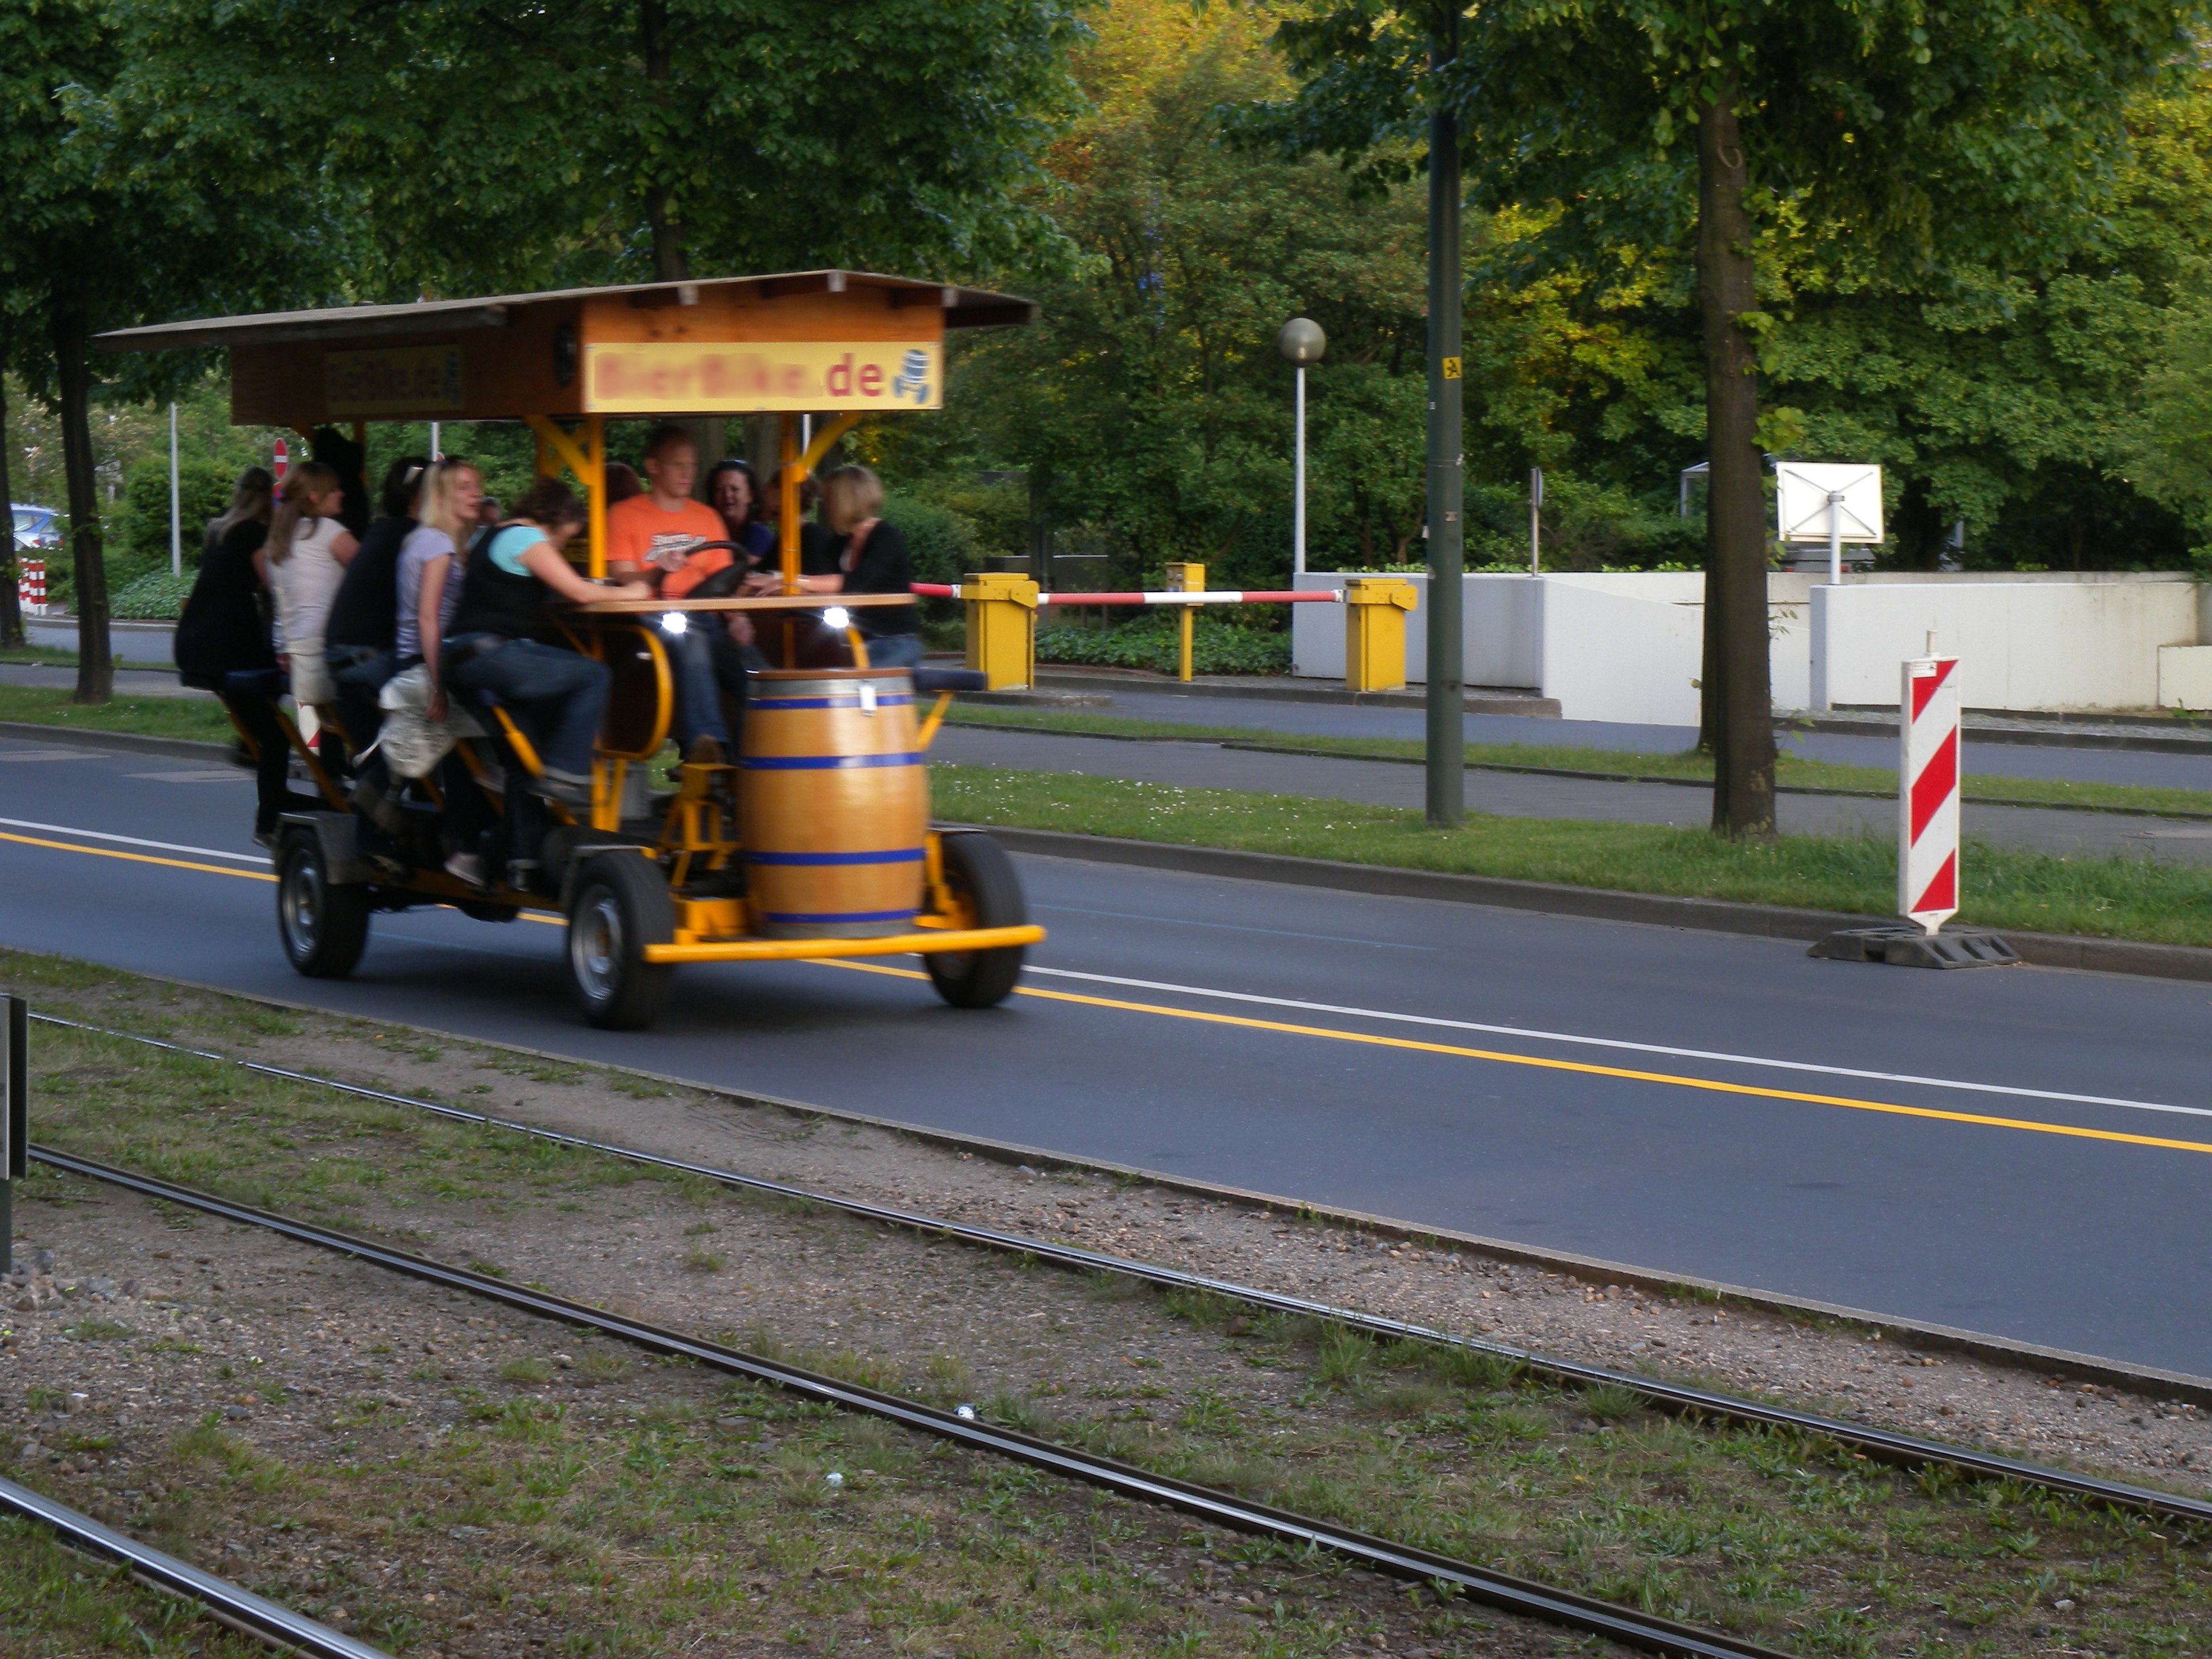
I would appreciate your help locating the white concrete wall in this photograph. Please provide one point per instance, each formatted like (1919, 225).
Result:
(1630, 646)
(2019, 645)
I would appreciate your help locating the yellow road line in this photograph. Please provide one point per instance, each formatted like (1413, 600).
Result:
(1586, 1068)
(1245, 1022)
(139, 858)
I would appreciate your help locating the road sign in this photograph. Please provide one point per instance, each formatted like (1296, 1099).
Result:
(1928, 791)
(1816, 501)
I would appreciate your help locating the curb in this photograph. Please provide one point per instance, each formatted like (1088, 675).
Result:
(1534, 708)
(129, 742)
(2151, 1382)
(2091, 955)
(2104, 955)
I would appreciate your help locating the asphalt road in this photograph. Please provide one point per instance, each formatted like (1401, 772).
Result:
(1876, 1137)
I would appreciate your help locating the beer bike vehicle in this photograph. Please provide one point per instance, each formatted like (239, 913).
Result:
(815, 840)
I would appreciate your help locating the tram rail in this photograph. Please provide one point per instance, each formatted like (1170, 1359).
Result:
(1879, 1444)
(228, 1604)
(1631, 1627)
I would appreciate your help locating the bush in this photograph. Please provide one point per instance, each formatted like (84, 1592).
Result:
(155, 597)
(137, 527)
(1216, 648)
(941, 541)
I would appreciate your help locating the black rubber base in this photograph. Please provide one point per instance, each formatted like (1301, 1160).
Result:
(1902, 945)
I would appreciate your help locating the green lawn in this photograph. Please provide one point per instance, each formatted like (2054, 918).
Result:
(161, 717)
(1793, 771)
(2108, 898)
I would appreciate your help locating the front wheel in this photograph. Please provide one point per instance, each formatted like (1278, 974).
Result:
(622, 905)
(324, 925)
(984, 886)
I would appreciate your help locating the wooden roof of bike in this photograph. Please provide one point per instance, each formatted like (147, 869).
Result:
(509, 355)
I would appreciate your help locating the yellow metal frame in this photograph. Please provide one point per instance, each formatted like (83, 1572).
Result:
(1186, 578)
(813, 950)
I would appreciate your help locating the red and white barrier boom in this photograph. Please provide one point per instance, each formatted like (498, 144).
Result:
(1928, 791)
(1221, 596)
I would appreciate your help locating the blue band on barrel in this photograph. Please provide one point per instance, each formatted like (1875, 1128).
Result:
(889, 855)
(886, 701)
(823, 763)
(829, 918)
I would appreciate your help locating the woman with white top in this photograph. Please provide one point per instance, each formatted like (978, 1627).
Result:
(307, 553)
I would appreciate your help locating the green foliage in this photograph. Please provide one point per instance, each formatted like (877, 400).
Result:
(941, 541)
(138, 525)
(157, 595)
(1216, 648)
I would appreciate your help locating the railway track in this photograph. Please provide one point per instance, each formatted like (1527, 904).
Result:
(1884, 1445)
(240, 1609)
(1628, 1626)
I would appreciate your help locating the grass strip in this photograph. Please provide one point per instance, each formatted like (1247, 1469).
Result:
(641, 1526)
(2114, 897)
(200, 719)
(1621, 765)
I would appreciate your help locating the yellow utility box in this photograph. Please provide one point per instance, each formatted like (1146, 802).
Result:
(1186, 578)
(1002, 627)
(1375, 612)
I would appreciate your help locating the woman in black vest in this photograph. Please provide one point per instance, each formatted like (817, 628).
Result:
(560, 695)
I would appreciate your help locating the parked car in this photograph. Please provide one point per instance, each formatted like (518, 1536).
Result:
(34, 528)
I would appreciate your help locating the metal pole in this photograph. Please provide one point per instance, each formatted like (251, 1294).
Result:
(176, 507)
(436, 454)
(1835, 537)
(1298, 510)
(1536, 520)
(1446, 698)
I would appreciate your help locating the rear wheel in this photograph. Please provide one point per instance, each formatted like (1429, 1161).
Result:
(622, 905)
(324, 925)
(983, 883)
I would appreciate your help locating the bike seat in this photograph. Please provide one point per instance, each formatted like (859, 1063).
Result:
(950, 679)
(257, 682)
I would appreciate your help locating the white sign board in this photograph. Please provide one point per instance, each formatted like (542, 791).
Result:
(1803, 490)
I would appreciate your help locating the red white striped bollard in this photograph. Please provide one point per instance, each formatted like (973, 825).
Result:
(31, 586)
(1928, 791)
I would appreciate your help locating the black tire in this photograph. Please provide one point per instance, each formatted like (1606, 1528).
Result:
(621, 906)
(982, 877)
(324, 925)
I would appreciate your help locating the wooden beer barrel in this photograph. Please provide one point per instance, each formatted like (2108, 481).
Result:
(832, 803)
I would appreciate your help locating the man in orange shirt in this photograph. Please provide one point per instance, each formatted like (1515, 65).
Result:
(652, 537)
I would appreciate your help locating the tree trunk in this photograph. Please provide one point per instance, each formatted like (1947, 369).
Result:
(672, 262)
(1736, 667)
(95, 657)
(11, 565)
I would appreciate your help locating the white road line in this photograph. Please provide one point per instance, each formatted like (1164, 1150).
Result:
(1530, 1034)
(223, 774)
(1231, 927)
(133, 841)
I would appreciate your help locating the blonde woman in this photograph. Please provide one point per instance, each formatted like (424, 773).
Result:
(307, 553)
(871, 558)
(430, 586)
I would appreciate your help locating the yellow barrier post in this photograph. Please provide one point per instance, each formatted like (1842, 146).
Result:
(1186, 578)
(1002, 627)
(1375, 609)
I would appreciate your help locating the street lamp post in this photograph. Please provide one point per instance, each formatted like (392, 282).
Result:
(1301, 342)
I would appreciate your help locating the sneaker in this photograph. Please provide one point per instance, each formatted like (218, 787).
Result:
(565, 788)
(467, 867)
(265, 838)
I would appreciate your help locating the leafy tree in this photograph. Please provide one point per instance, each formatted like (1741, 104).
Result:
(100, 228)
(1151, 394)
(1992, 129)
(507, 143)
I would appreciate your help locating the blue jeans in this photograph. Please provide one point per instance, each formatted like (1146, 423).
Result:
(561, 696)
(707, 662)
(894, 651)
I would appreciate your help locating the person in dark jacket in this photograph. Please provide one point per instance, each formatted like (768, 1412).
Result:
(870, 557)
(224, 631)
(359, 639)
